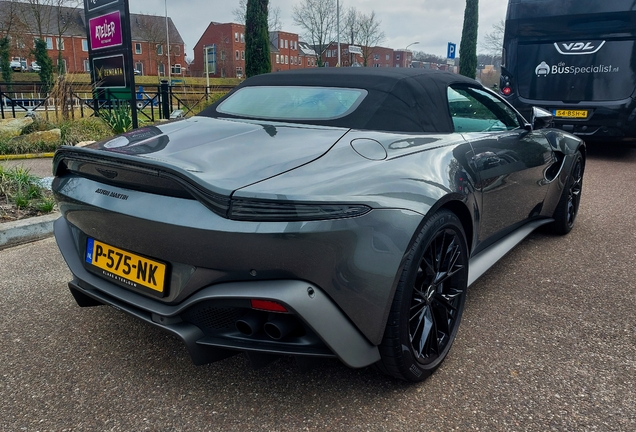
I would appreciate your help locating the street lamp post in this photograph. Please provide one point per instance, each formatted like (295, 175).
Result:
(407, 47)
(338, 28)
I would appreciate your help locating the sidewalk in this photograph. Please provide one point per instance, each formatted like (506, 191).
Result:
(40, 167)
(31, 229)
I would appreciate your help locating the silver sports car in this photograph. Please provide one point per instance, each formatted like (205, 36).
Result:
(319, 213)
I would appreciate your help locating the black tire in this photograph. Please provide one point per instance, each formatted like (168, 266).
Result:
(568, 206)
(429, 300)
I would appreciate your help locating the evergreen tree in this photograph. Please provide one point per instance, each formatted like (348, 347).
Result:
(257, 59)
(46, 65)
(5, 59)
(468, 46)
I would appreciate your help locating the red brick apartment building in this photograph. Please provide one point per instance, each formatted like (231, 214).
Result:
(23, 24)
(376, 56)
(226, 51)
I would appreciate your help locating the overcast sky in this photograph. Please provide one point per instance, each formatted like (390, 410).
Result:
(432, 23)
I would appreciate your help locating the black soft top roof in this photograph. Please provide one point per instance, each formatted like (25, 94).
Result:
(399, 99)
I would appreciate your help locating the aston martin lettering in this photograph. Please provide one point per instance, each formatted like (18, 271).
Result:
(579, 48)
(112, 194)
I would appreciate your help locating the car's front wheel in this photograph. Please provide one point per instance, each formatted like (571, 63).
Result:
(429, 301)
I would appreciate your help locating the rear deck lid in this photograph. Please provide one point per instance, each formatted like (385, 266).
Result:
(220, 155)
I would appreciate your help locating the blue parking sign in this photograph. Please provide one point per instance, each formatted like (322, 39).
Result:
(452, 49)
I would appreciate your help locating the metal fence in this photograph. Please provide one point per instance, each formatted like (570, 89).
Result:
(70, 101)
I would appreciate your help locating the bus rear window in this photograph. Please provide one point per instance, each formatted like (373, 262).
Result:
(573, 71)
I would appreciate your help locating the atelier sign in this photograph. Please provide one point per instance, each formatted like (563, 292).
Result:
(106, 31)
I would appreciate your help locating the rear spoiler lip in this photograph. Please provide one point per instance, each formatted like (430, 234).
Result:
(215, 199)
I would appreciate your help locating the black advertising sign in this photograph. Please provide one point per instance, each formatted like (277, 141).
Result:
(92, 5)
(110, 71)
(110, 50)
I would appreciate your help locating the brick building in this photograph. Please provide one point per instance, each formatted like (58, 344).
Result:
(226, 51)
(64, 31)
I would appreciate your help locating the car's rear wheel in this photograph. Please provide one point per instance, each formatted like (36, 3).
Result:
(429, 301)
(568, 207)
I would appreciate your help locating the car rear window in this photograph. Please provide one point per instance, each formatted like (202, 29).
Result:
(292, 102)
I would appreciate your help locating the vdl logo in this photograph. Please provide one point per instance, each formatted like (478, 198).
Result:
(579, 48)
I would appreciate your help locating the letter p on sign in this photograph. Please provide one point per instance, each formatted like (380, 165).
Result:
(452, 49)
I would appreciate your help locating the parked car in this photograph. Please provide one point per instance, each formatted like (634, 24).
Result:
(16, 64)
(35, 67)
(338, 212)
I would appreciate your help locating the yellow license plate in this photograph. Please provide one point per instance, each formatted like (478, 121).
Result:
(126, 267)
(570, 113)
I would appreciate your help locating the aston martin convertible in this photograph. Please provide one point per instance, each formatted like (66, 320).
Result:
(336, 213)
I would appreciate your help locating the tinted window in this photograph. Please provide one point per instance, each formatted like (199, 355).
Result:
(292, 103)
(474, 110)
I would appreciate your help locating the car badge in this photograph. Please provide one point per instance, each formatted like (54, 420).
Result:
(107, 173)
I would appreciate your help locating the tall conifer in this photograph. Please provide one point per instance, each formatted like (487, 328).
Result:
(257, 58)
(468, 46)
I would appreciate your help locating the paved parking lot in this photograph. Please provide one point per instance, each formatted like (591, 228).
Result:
(548, 342)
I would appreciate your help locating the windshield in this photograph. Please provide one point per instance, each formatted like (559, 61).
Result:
(292, 102)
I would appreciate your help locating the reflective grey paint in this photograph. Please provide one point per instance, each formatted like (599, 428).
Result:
(355, 261)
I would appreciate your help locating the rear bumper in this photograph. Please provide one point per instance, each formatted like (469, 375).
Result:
(327, 331)
(614, 121)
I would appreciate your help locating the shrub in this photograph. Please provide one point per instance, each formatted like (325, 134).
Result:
(86, 129)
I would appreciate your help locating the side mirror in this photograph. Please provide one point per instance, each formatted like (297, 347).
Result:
(541, 118)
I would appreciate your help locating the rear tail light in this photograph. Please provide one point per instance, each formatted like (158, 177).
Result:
(507, 91)
(268, 305)
(265, 211)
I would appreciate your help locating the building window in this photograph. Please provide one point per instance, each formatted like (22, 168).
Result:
(140, 67)
(377, 57)
(176, 69)
(286, 60)
(162, 69)
(236, 39)
(222, 55)
(387, 57)
(242, 55)
(159, 49)
(61, 65)
(87, 66)
(286, 43)
(222, 73)
(236, 55)
(49, 43)
(60, 44)
(84, 44)
(397, 56)
(278, 58)
(239, 72)
(282, 44)
(137, 48)
(242, 38)
(326, 64)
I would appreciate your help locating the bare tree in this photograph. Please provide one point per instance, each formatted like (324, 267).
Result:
(317, 18)
(64, 11)
(370, 35)
(351, 26)
(493, 41)
(274, 22)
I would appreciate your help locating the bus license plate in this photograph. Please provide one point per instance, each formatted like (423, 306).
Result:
(576, 114)
(126, 267)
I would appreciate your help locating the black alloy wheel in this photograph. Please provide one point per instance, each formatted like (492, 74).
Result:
(568, 207)
(429, 301)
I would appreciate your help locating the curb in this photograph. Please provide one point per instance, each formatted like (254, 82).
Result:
(26, 156)
(26, 230)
